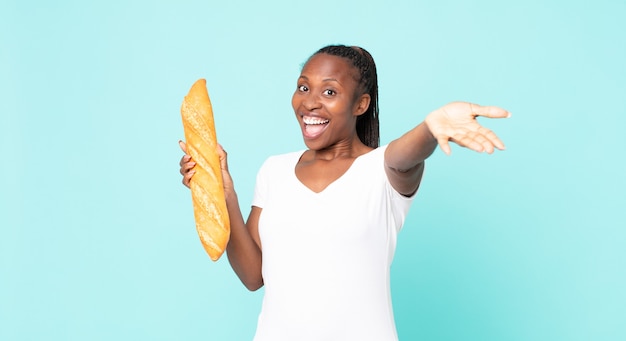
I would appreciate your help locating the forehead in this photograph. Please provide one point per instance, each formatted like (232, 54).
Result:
(326, 65)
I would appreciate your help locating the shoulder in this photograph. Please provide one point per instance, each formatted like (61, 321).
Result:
(281, 161)
(372, 164)
(284, 158)
(375, 155)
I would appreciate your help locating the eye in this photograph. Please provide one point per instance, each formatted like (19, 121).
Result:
(329, 92)
(303, 88)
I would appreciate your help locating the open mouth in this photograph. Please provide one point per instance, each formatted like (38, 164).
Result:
(314, 126)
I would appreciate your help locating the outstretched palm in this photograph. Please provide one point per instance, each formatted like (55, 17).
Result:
(456, 122)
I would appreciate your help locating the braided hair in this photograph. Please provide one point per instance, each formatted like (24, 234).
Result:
(367, 124)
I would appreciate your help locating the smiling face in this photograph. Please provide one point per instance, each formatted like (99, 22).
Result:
(327, 101)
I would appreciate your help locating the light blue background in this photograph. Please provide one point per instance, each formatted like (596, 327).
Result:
(97, 238)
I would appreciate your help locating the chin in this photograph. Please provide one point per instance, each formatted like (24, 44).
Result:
(314, 144)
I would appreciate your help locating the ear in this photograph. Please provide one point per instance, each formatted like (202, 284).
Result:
(361, 104)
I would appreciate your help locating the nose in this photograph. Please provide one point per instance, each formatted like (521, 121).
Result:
(311, 102)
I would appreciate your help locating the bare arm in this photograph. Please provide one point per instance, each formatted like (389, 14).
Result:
(244, 245)
(456, 122)
(404, 159)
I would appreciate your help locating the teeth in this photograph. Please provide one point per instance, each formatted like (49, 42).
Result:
(313, 120)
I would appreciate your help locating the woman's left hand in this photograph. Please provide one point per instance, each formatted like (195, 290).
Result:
(457, 122)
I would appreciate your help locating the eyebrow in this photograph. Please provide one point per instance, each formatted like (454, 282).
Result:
(323, 80)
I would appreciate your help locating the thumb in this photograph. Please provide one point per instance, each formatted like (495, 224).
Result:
(183, 146)
(223, 157)
(490, 111)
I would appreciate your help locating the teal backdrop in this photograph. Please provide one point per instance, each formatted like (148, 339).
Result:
(97, 238)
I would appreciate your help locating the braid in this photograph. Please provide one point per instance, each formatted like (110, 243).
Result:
(367, 124)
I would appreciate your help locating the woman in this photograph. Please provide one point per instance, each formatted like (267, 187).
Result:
(322, 230)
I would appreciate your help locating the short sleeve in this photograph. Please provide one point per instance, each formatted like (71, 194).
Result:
(261, 187)
(400, 206)
(399, 203)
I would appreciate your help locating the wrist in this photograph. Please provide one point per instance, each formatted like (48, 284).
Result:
(426, 130)
(230, 195)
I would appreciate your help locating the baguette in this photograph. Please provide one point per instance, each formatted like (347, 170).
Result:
(207, 186)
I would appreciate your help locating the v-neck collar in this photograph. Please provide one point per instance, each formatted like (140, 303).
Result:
(332, 183)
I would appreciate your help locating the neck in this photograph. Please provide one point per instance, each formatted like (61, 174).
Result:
(346, 149)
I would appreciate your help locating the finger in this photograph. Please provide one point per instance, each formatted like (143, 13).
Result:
(186, 158)
(467, 140)
(187, 178)
(487, 146)
(186, 167)
(492, 137)
(183, 146)
(489, 111)
(484, 142)
(444, 145)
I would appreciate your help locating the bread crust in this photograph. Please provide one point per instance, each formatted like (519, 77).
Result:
(207, 186)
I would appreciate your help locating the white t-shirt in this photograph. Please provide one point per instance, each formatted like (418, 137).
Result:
(327, 255)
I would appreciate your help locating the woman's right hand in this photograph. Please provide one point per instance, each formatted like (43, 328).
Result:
(187, 168)
(186, 165)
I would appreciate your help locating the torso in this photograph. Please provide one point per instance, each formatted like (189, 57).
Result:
(327, 254)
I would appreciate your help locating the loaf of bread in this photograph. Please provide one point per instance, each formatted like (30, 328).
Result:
(207, 187)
